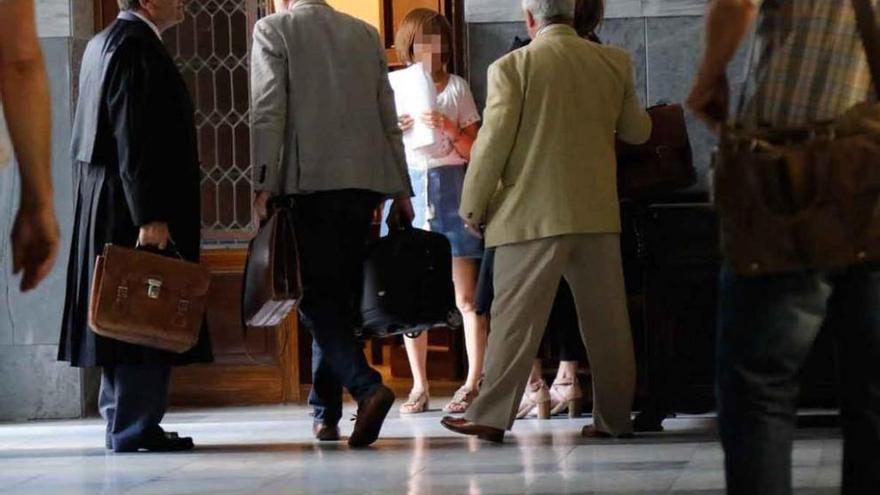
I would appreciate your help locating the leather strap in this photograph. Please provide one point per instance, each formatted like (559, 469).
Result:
(870, 38)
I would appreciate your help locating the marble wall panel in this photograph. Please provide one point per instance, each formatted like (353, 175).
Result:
(35, 317)
(511, 10)
(8, 183)
(630, 34)
(674, 46)
(53, 18)
(33, 385)
(487, 43)
(670, 8)
(623, 8)
(492, 10)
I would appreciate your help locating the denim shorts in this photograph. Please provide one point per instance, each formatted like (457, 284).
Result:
(436, 201)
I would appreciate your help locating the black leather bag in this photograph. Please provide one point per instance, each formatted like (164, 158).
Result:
(272, 284)
(408, 285)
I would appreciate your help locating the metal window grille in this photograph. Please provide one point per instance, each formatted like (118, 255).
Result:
(211, 49)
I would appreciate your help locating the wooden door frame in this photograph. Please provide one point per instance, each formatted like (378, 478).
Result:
(247, 383)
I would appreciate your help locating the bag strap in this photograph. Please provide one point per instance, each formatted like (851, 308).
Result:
(868, 31)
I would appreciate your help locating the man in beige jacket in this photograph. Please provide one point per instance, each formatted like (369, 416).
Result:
(543, 179)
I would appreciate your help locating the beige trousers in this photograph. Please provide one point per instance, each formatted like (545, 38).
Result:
(527, 276)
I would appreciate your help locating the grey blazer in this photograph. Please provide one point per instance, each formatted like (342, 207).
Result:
(322, 110)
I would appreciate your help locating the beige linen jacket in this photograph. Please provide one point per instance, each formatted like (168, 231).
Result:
(322, 110)
(544, 163)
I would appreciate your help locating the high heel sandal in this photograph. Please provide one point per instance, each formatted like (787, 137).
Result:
(535, 401)
(461, 401)
(416, 403)
(567, 396)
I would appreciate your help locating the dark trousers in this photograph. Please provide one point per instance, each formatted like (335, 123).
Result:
(333, 230)
(767, 327)
(133, 401)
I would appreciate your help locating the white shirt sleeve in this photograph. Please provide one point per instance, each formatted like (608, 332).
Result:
(467, 107)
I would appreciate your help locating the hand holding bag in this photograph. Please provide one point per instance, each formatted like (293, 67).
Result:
(272, 283)
(148, 299)
(804, 199)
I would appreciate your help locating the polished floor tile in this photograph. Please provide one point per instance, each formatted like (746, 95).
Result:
(269, 451)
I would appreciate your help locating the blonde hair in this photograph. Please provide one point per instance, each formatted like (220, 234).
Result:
(422, 21)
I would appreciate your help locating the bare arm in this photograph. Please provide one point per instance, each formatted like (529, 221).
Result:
(465, 141)
(727, 24)
(24, 92)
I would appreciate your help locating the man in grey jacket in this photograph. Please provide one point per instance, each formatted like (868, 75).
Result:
(324, 130)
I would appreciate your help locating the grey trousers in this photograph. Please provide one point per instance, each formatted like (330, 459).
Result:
(527, 276)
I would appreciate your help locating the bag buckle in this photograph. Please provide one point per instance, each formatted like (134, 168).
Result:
(154, 288)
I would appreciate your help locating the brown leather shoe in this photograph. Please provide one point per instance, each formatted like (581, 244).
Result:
(590, 431)
(370, 416)
(326, 433)
(465, 427)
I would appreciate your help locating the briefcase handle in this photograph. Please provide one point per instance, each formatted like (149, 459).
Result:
(171, 248)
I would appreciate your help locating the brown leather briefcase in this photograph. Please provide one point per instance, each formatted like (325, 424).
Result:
(148, 299)
(664, 164)
(272, 284)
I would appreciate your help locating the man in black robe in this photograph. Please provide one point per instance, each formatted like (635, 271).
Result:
(137, 178)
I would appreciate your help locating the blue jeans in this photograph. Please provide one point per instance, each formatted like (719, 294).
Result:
(767, 327)
(333, 229)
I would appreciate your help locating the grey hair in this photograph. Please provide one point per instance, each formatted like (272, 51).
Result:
(128, 4)
(550, 10)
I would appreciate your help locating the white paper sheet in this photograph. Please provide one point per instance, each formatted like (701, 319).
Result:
(414, 94)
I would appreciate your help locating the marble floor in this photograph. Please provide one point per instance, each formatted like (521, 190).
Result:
(269, 451)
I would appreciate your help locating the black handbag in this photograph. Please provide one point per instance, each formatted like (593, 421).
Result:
(408, 285)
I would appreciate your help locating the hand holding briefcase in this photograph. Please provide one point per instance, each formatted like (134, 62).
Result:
(148, 299)
(272, 284)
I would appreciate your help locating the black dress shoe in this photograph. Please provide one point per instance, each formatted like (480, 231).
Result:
(465, 427)
(326, 433)
(370, 416)
(159, 443)
(108, 440)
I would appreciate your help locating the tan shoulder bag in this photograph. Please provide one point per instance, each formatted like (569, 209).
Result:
(804, 199)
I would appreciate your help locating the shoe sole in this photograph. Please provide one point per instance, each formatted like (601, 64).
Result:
(368, 436)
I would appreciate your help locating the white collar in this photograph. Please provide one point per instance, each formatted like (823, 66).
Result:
(543, 29)
(127, 13)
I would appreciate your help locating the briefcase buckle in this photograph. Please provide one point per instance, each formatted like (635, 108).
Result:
(154, 288)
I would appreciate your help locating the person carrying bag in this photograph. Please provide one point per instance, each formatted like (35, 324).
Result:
(804, 198)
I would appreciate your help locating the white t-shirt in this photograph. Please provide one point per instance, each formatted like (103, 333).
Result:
(456, 102)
